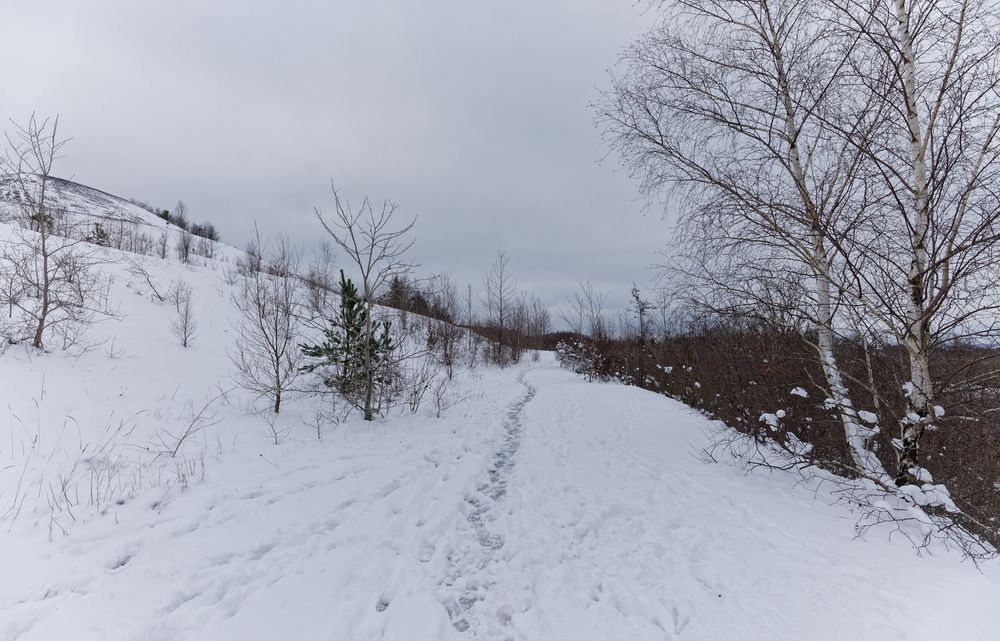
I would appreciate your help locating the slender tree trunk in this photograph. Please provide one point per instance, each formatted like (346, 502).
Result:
(500, 356)
(277, 350)
(858, 436)
(920, 393)
(277, 384)
(46, 303)
(868, 367)
(469, 318)
(369, 378)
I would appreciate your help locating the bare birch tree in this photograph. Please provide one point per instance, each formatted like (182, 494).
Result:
(836, 163)
(923, 261)
(725, 103)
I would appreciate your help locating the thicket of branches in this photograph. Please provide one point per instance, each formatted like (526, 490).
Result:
(834, 164)
(513, 321)
(742, 370)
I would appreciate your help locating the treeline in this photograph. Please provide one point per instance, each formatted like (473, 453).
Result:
(434, 298)
(512, 321)
(179, 218)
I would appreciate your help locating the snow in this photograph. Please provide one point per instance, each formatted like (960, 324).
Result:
(868, 417)
(928, 494)
(771, 420)
(540, 507)
(798, 391)
(83, 203)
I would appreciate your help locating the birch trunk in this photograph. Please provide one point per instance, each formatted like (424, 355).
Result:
(920, 391)
(859, 437)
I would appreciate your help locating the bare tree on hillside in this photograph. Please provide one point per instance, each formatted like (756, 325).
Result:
(183, 324)
(185, 245)
(266, 355)
(163, 244)
(204, 247)
(377, 246)
(179, 216)
(320, 278)
(52, 279)
(252, 259)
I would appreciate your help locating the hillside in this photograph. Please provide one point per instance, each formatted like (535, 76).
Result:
(83, 202)
(142, 499)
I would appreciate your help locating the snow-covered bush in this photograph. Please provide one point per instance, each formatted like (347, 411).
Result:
(583, 357)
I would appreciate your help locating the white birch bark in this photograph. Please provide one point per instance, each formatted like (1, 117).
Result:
(859, 437)
(920, 391)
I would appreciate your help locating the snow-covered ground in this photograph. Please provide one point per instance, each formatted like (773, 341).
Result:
(541, 507)
(81, 202)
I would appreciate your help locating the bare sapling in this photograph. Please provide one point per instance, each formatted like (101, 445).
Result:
(183, 324)
(376, 246)
(51, 276)
(266, 355)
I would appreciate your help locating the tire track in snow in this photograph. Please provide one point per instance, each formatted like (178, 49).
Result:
(469, 572)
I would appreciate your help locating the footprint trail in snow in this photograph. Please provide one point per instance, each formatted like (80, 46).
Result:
(469, 575)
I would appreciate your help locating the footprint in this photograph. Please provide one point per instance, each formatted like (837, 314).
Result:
(680, 621)
(121, 561)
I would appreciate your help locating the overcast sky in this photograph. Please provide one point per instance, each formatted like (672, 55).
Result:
(472, 115)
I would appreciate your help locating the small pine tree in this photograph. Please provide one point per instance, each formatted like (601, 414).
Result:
(340, 358)
(98, 236)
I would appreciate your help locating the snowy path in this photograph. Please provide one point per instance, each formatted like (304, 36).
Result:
(618, 531)
(474, 564)
(545, 508)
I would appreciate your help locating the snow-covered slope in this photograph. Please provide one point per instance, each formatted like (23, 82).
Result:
(541, 507)
(80, 201)
(79, 207)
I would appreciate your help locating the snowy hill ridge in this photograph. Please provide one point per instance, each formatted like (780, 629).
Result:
(80, 201)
